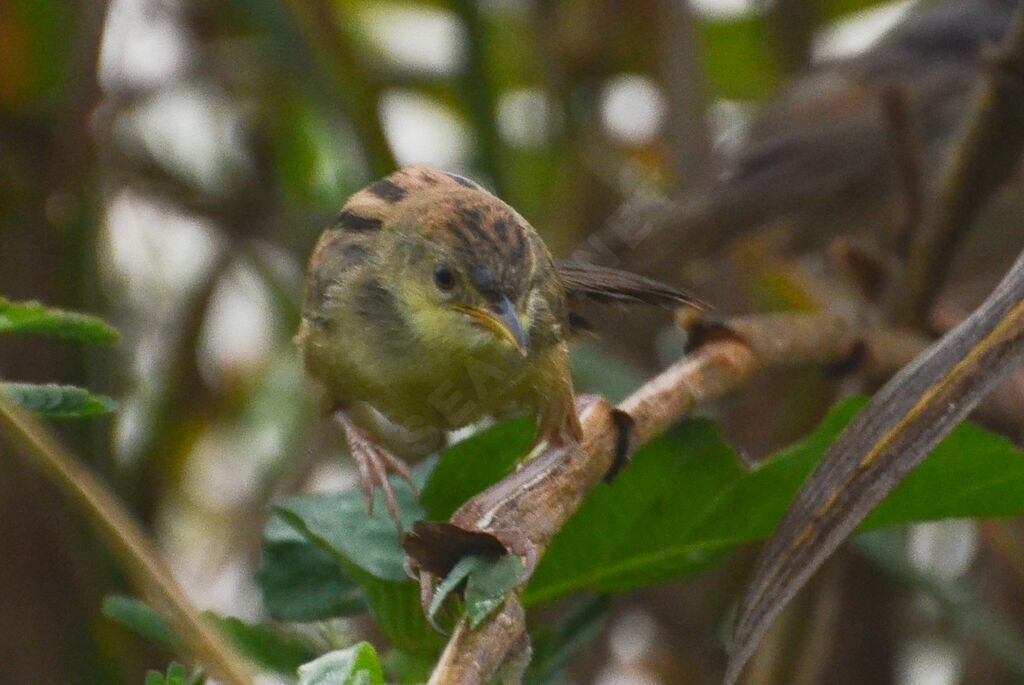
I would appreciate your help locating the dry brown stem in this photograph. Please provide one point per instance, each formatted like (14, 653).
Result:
(526, 510)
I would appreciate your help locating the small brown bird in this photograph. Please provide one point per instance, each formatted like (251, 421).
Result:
(430, 304)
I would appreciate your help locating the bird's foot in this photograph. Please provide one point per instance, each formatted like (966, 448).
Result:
(375, 463)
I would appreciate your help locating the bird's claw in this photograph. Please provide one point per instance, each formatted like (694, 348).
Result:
(375, 463)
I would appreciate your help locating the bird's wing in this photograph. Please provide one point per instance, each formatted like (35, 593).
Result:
(611, 286)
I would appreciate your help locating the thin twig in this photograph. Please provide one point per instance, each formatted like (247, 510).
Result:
(137, 555)
(359, 89)
(479, 93)
(906, 144)
(683, 80)
(986, 154)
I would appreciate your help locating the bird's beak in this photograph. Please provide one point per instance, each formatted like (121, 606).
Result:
(501, 319)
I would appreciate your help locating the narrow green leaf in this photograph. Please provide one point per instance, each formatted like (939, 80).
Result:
(33, 317)
(459, 573)
(155, 678)
(489, 584)
(139, 617)
(55, 401)
(356, 665)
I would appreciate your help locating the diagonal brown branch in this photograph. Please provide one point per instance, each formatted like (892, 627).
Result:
(526, 510)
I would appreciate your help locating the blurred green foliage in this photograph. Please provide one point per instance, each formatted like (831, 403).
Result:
(206, 441)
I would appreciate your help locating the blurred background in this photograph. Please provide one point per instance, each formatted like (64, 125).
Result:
(169, 164)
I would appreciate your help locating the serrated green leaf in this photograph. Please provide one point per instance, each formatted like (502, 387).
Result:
(33, 317)
(356, 665)
(489, 584)
(155, 678)
(54, 401)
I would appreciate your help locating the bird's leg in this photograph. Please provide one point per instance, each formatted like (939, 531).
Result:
(374, 463)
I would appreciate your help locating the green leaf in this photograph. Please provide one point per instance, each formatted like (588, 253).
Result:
(176, 674)
(55, 401)
(446, 587)
(139, 617)
(357, 665)
(489, 585)
(301, 581)
(686, 500)
(552, 648)
(340, 524)
(970, 473)
(269, 646)
(644, 527)
(32, 317)
(473, 465)
(400, 667)
(367, 551)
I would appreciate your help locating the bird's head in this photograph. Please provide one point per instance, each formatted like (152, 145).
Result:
(462, 266)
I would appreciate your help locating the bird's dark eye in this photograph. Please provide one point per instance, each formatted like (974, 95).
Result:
(444, 278)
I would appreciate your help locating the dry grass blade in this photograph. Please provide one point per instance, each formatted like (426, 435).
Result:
(138, 557)
(892, 436)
